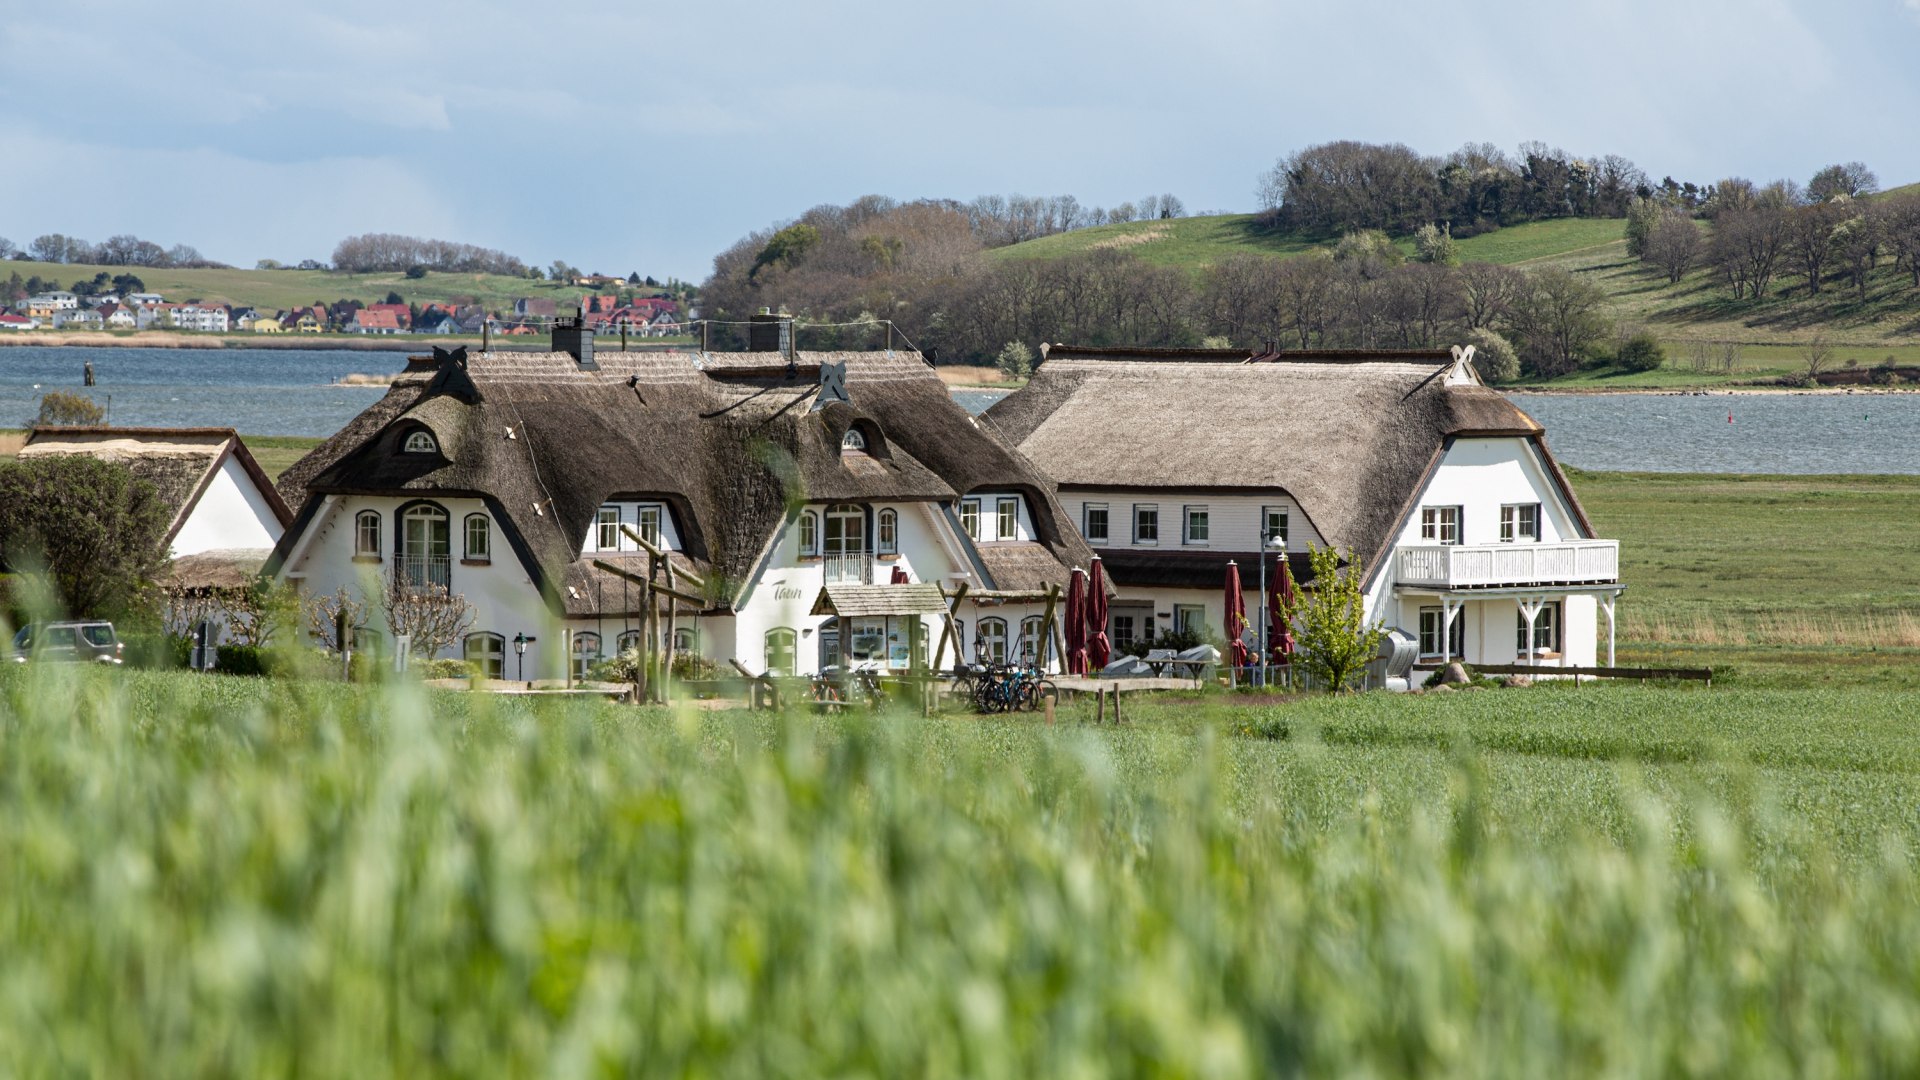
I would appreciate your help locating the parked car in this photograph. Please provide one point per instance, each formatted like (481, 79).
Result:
(67, 642)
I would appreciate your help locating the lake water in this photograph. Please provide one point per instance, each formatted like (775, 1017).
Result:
(293, 392)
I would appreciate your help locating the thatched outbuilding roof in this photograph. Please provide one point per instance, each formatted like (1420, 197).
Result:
(179, 462)
(731, 442)
(1352, 436)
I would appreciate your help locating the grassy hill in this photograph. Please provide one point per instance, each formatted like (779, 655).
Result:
(277, 289)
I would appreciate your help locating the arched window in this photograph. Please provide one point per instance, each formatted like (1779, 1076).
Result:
(420, 442)
(1032, 649)
(780, 651)
(809, 533)
(854, 439)
(479, 538)
(366, 534)
(686, 640)
(488, 655)
(627, 642)
(888, 541)
(426, 547)
(991, 646)
(586, 650)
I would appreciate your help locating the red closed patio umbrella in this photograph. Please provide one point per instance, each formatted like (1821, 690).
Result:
(1236, 606)
(1279, 599)
(1075, 622)
(1099, 649)
(899, 575)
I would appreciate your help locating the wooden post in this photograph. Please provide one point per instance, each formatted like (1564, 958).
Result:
(643, 677)
(703, 336)
(948, 628)
(1116, 704)
(1099, 704)
(673, 628)
(1048, 625)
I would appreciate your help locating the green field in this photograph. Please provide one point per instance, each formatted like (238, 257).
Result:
(224, 876)
(280, 289)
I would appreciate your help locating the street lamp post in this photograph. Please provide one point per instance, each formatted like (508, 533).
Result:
(520, 643)
(1270, 543)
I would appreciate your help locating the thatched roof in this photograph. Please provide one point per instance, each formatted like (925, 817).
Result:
(221, 568)
(730, 441)
(1351, 436)
(178, 462)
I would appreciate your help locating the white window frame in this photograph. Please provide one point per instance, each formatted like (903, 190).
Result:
(365, 522)
(1006, 518)
(809, 534)
(1190, 615)
(1437, 522)
(647, 519)
(1147, 508)
(582, 659)
(790, 641)
(482, 552)
(854, 440)
(1122, 642)
(1457, 632)
(1031, 647)
(1267, 531)
(606, 528)
(1546, 620)
(1513, 516)
(970, 518)
(990, 647)
(419, 441)
(1188, 514)
(492, 661)
(1086, 522)
(887, 532)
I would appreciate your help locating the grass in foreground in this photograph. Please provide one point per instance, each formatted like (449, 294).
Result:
(224, 876)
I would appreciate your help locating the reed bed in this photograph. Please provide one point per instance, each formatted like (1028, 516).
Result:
(1894, 629)
(228, 877)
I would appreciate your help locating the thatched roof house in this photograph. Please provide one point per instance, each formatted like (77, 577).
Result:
(220, 498)
(731, 442)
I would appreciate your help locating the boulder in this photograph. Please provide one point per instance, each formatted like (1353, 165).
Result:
(1455, 674)
(1517, 682)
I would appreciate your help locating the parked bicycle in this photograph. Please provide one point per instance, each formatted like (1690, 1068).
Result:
(834, 690)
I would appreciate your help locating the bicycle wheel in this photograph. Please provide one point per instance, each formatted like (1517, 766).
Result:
(828, 698)
(1043, 692)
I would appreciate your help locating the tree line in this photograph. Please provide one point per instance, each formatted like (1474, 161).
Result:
(390, 252)
(123, 250)
(923, 266)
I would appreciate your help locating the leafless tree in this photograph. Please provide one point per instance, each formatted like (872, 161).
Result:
(1558, 319)
(1809, 239)
(1900, 232)
(1487, 291)
(1746, 248)
(1815, 356)
(434, 617)
(182, 609)
(1856, 243)
(323, 617)
(254, 613)
(1673, 244)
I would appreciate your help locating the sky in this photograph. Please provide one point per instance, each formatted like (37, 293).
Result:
(624, 137)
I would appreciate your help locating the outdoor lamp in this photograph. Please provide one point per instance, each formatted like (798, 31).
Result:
(520, 643)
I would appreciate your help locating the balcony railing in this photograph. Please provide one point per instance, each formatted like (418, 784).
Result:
(421, 572)
(1457, 566)
(854, 569)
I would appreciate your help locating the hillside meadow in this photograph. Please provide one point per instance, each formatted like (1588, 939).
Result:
(226, 876)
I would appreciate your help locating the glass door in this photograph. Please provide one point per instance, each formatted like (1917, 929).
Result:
(844, 547)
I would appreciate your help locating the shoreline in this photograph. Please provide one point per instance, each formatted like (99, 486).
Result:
(1697, 391)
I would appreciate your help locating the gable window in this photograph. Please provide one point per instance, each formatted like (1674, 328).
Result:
(586, 650)
(1095, 527)
(1273, 524)
(1519, 522)
(487, 653)
(420, 442)
(1546, 631)
(1440, 524)
(1146, 523)
(780, 642)
(649, 517)
(366, 534)
(970, 518)
(479, 539)
(889, 530)
(853, 440)
(607, 528)
(1009, 514)
(1196, 526)
(1431, 621)
(809, 534)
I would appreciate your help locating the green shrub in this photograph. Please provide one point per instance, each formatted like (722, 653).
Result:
(243, 660)
(1493, 356)
(1641, 352)
(157, 650)
(442, 669)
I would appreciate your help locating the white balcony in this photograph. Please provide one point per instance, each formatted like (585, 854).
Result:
(854, 568)
(1484, 566)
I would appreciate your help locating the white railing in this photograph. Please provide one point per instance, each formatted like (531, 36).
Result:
(856, 569)
(1452, 566)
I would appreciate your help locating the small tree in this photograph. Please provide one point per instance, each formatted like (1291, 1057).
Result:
(1815, 356)
(1641, 352)
(61, 409)
(323, 617)
(254, 612)
(1493, 356)
(1015, 360)
(1333, 641)
(1434, 244)
(96, 530)
(433, 617)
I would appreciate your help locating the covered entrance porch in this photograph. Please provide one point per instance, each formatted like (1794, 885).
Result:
(1537, 626)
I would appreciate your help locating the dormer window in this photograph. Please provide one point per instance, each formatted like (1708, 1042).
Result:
(420, 442)
(854, 439)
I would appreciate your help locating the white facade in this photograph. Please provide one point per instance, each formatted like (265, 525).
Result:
(231, 512)
(772, 629)
(204, 319)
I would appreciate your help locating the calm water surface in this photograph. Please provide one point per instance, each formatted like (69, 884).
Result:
(294, 392)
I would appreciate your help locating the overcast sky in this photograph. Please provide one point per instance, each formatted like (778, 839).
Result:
(624, 137)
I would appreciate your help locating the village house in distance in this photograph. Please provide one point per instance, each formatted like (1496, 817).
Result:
(1174, 461)
(808, 491)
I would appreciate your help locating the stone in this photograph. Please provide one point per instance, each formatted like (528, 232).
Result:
(1455, 674)
(1517, 682)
